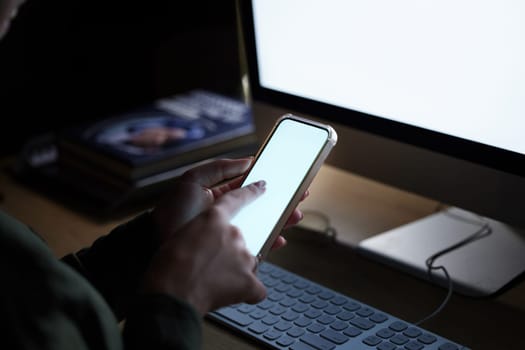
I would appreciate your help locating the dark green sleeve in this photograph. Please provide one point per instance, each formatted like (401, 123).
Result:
(48, 306)
(162, 322)
(115, 264)
(44, 304)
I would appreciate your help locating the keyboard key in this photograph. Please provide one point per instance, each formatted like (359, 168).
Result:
(258, 314)
(427, 339)
(365, 311)
(385, 333)
(372, 340)
(332, 310)
(319, 304)
(303, 322)
(399, 339)
(313, 289)
(334, 337)
(346, 315)
(285, 341)
(258, 328)
(313, 313)
(386, 346)
(378, 317)
(412, 332)
(338, 300)
(414, 345)
(235, 316)
(270, 320)
(398, 326)
(282, 326)
(325, 319)
(290, 316)
(275, 296)
(448, 346)
(300, 284)
(277, 274)
(294, 293)
(269, 282)
(300, 307)
(283, 288)
(287, 302)
(289, 279)
(264, 268)
(272, 334)
(339, 325)
(301, 346)
(277, 310)
(352, 306)
(316, 328)
(317, 342)
(295, 332)
(245, 308)
(307, 299)
(352, 332)
(265, 304)
(326, 295)
(362, 323)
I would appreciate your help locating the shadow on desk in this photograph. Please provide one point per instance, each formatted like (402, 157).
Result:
(476, 323)
(102, 198)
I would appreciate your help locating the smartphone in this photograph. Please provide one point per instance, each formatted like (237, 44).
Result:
(288, 161)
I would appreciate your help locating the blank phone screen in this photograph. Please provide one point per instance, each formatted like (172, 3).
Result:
(283, 164)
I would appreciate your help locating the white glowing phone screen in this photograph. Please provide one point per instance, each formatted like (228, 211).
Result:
(283, 164)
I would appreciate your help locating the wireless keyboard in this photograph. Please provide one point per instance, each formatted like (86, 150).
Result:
(299, 314)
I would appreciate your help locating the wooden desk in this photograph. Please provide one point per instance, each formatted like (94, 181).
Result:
(356, 208)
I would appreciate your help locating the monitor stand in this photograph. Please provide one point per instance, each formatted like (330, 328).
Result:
(480, 268)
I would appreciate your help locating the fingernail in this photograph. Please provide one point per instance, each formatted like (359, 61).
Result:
(247, 162)
(208, 191)
(261, 184)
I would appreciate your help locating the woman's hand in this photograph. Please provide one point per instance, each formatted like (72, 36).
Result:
(195, 191)
(206, 262)
(200, 187)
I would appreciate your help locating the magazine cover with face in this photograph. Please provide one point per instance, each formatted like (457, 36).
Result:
(174, 131)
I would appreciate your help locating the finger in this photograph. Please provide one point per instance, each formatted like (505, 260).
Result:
(296, 215)
(212, 173)
(258, 291)
(233, 201)
(294, 218)
(279, 242)
(305, 195)
(218, 191)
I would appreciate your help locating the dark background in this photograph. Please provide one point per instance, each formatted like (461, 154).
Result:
(66, 62)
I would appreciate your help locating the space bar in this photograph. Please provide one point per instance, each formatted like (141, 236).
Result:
(317, 342)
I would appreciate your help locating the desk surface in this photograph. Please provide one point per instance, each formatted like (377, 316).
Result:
(357, 208)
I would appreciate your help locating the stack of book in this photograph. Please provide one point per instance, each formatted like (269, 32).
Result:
(138, 152)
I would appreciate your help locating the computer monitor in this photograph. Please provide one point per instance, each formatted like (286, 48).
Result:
(425, 96)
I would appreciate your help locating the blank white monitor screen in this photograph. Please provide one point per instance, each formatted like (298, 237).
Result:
(455, 67)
